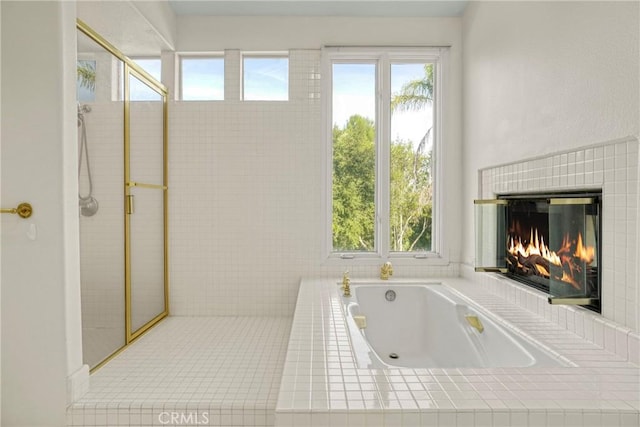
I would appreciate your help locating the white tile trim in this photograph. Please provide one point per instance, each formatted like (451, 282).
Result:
(78, 384)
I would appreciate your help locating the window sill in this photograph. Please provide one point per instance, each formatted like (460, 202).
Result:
(431, 259)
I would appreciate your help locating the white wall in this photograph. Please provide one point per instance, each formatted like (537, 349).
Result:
(0, 220)
(161, 17)
(40, 285)
(541, 78)
(207, 33)
(246, 178)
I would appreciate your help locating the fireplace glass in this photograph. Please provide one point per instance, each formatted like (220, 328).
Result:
(549, 241)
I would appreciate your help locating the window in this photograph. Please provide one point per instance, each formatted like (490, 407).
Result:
(265, 78)
(202, 78)
(86, 80)
(138, 91)
(382, 140)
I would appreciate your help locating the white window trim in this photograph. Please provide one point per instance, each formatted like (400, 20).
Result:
(384, 56)
(208, 55)
(265, 54)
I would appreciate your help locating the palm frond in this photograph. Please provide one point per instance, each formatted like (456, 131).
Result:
(415, 94)
(408, 102)
(87, 74)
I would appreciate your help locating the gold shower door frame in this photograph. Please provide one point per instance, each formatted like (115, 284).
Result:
(132, 69)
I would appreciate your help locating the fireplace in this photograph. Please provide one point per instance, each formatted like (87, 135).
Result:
(547, 241)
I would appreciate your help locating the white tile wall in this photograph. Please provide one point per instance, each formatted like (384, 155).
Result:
(612, 167)
(246, 198)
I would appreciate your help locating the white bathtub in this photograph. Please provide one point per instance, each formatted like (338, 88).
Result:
(429, 325)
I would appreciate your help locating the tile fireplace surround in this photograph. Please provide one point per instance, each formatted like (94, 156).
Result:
(612, 167)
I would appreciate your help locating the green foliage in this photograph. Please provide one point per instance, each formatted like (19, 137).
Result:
(415, 94)
(87, 74)
(411, 198)
(354, 191)
(354, 185)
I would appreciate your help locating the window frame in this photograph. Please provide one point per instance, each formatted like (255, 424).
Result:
(264, 55)
(211, 55)
(383, 58)
(122, 75)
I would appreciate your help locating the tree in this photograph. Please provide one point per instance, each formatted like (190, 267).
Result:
(414, 96)
(87, 74)
(354, 185)
(354, 191)
(411, 179)
(411, 198)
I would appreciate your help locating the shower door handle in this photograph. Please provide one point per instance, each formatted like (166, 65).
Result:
(144, 185)
(129, 204)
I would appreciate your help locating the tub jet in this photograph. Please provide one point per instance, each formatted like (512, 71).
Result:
(390, 295)
(393, 356)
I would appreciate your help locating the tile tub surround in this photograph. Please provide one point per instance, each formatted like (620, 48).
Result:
(322, 386)
(228, 368)
(606, 334)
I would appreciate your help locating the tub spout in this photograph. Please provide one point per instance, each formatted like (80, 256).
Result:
(386, 270)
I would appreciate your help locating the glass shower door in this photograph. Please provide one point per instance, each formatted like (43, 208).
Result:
(100, 130)
(146, 220)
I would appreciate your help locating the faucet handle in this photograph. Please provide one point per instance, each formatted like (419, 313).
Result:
(346, 284)
(386, 270)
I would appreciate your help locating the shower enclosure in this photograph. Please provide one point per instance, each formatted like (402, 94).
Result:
(122, 138)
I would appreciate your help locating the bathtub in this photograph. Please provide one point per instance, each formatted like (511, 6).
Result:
(430, 325)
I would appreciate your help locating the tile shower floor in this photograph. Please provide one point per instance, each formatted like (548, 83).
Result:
(191, 371)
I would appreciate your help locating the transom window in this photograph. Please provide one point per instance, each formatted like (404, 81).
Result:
(139, 91)
(382, 136)
(202, 78)
(265, 77)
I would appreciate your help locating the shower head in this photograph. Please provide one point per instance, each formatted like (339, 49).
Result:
(83, 108)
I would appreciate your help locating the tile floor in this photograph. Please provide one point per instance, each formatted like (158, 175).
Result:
(191, 371)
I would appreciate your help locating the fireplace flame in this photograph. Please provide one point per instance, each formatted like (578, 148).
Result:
(536, 255)
(585, 253)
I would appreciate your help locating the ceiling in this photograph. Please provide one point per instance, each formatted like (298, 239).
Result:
(388, 8)
(123, 25)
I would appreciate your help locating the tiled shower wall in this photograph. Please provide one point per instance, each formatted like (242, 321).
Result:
(612, 167)
(102, 235)
(246, 187)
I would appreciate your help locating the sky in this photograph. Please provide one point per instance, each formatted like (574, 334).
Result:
(354, 93)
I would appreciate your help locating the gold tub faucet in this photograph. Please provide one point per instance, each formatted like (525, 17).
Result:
(346, 284)
(386, 270)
